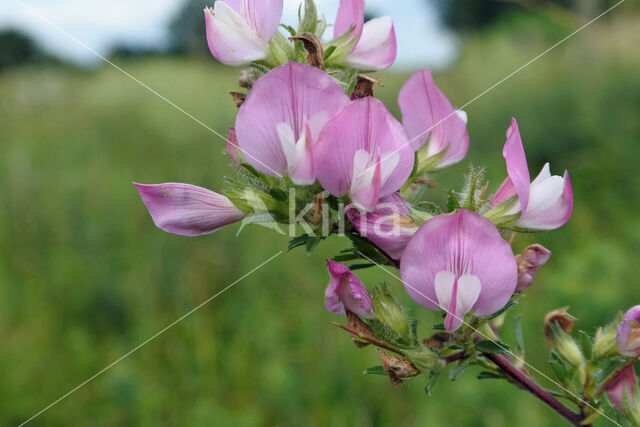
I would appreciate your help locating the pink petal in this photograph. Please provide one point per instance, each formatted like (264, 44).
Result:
(531, 259)
(504, 193)
(517, 168)
(377, 48)
(232, 145)
(290, 94)
(624, 383)
(188, 210)
(231, 40)
(463, 243)
(429, 116)
(365, 124)
(628, 333)
(389, 226)
(263, 16)
(345, 290)
(551, 213)
(350, 14)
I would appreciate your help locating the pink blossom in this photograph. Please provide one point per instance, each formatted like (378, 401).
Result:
(458, 262)
(628, 333)
(623, 384)
(430, 119)
(529, 261)
(544, 204)
(363, 151)
(188, 210)
(346, 291)
(238, 31)
(389, 226)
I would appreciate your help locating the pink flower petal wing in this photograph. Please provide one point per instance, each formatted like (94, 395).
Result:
(377, 48)
(188, 210)
(623, 384)
(291, 94)
(350, 16)
(517, 168)
(232, 145)
(263, 16)
(428, 115)
(363, 125)
(231, 40)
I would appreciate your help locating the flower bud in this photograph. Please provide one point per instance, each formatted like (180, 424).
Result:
(566, 346)
(388, 311)
(562, 318)
(346, 292)
(528, 263)
(622, 387)
(628, 333)
(604, 343)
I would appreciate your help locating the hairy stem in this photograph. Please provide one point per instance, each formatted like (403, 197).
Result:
(530, 385)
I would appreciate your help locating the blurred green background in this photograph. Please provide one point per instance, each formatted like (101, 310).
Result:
(85, 276)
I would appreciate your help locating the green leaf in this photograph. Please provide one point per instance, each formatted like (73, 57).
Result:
(290, 29)
(361, 265)
(310, 20)
(492, 347)
(375, 370)
(278, 194)
(328, 51)
(312, 243)
(487, 375)
(517, 331)
(456, 371)
(559, 367)
(298, 241)
(585, 342)
(510, 304)
(438, 327)
(452, 202)
(432, 382)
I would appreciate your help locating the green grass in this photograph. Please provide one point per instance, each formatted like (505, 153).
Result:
(85, 276)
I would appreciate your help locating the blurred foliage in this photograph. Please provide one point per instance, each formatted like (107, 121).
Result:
(16, 48)
(474, 15)
(85, 276)
(187, 29)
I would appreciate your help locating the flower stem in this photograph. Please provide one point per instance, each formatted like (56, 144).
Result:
(530, 385)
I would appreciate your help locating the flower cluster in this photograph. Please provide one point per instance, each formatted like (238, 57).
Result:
(313, 147)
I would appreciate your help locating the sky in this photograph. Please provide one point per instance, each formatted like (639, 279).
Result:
(422, 41)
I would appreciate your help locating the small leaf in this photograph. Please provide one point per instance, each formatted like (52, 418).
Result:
(432, 382)
(328, 52)
(456, 371)
(290, 29)
(278, 194)
(517, 331)
(487, 375)
(298, 241)
(452, 202)
(361, 265)
(312, 243)
(585, 342)
(491, 347)
(558, 366)
(510, 304)
(438, 327)
(375, 370)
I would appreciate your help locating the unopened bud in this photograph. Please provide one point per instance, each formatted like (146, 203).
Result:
(528, 263)
(562, 318)
(388, 311)
(424, 358)
(604, 343)
(566, 346)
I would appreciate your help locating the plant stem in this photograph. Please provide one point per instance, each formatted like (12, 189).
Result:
(530, 385)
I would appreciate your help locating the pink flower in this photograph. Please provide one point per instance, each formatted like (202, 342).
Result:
(528, 263)
(188, 210)
(279, 122)
(430, 119)
(458, 262)
(238, 31)
(389, 226)
(546, 203)
(628, 333)
(623, 384)
(346, 291)
(363, 151)
(375, 45)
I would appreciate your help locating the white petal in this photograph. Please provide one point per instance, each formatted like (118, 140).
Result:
(469, 288)
(444, 288)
